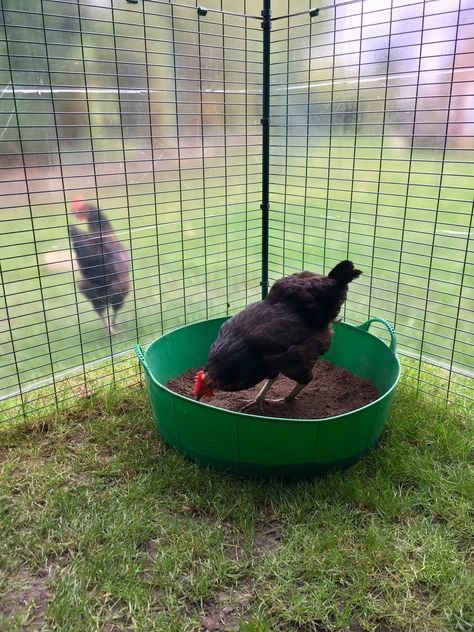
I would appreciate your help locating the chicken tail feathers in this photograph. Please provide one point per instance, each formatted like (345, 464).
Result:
(344, 272)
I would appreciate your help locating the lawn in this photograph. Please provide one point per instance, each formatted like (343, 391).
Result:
(104, 527)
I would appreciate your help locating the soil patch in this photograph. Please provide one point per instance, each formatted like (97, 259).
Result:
(30, 593)
(267, 536)
(333, 391)
(224, 612)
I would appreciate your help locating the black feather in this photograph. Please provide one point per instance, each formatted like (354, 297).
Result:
(344, 272)
(285, 333)
(103, 261)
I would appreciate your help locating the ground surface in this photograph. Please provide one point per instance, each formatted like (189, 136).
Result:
(106, 528)
(333, 391)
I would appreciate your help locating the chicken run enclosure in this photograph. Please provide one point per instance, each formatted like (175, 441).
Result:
(229, 145)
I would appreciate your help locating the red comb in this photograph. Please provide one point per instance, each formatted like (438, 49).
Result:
(77, 203)
(199, 378)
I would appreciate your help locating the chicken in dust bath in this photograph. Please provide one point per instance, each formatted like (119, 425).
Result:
(285, 333)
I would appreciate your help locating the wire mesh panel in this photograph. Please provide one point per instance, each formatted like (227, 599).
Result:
(150, 112)
(372, 159)
(135, 130)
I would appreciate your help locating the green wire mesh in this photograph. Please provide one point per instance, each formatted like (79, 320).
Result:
(153, 111)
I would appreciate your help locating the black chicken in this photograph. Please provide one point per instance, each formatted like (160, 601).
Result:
(103, 261)
(286, 333)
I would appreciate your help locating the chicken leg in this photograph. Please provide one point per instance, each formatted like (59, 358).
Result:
(260, 399)
(108, 323)
(113, 323)
(291, 395)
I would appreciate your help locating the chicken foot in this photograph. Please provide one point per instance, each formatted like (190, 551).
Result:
(109, 323)
(260, 399)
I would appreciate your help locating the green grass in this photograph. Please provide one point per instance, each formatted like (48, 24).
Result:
(106, 528)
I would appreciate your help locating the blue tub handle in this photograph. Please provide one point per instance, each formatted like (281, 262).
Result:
(393, 336)
(139, 351)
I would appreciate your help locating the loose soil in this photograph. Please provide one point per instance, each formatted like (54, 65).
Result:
(333, 391)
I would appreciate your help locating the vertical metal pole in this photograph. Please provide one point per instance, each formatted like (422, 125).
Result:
(265, 121)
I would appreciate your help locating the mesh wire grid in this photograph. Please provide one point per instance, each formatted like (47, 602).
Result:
(371, 159)
(141, 109)
(153, 111)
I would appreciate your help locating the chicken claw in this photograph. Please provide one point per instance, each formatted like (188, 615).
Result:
(290, 397)
(260, 399)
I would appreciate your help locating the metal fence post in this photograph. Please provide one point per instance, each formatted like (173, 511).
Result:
(265, 121)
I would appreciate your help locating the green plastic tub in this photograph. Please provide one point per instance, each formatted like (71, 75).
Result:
(267, 446)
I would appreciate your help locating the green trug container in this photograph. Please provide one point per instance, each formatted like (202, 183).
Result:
(268, 446)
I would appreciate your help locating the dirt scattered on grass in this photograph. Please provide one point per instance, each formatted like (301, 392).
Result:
(233, 549)
(438, 519)
(192, 510)
(40, 426)
(147, 553)
(29, 592)
(111, 627)
(224, 612)
(309, 626)
(384, 626)
(356, 627)
(118, 618)
(76, 436)
(319, 626)
(213, 621)
(150, 547)
(127, 404)
(333, 391)
(267, 538)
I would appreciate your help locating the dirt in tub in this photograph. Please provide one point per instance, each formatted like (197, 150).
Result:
(333, 391)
